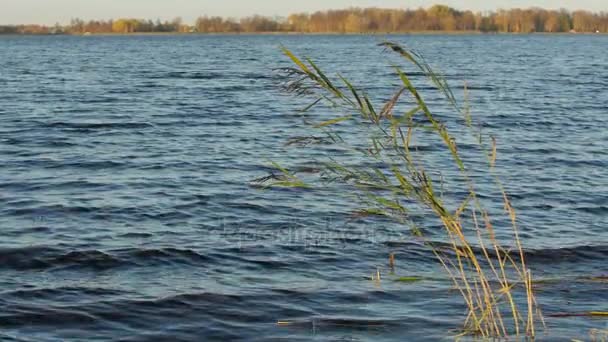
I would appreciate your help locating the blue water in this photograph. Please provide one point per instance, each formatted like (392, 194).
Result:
(126, 210)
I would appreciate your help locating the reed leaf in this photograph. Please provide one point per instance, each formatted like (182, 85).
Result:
(333, 121)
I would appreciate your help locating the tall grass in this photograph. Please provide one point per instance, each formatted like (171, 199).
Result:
(491, 275)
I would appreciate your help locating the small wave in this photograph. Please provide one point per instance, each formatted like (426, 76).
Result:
(104, 99)
(169, 215)
(99, 125)
(150, 85)
(570, 254)
(30, 140)
(59, 292)
(255, 76)
(135, 235)
(408, 73)
(44, 316)
(188, 75)
(90, 259)
(94, 165)
(47, 258)
(596, 210)
(485, 88)
(173, 255)
(533, 256)
(48, 210)
(26, 258)
(352, 323)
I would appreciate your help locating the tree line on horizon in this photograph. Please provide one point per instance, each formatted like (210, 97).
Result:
(352, 20)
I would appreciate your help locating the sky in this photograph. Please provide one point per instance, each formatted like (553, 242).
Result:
(61, 11)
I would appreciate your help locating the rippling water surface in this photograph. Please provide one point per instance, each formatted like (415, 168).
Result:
(126, 214)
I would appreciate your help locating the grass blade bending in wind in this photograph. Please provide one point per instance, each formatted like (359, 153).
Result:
(487, 274)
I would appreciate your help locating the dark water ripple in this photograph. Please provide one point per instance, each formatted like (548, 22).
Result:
(127, 215)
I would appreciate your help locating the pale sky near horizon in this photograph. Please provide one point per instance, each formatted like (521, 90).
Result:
(52, 11)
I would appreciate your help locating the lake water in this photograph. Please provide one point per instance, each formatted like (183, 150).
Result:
(126, 211)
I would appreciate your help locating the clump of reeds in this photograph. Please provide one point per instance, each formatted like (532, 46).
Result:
(597, 335)
(491, 275)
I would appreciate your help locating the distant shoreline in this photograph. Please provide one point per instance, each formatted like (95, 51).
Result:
(421, 33)
(436, 19)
